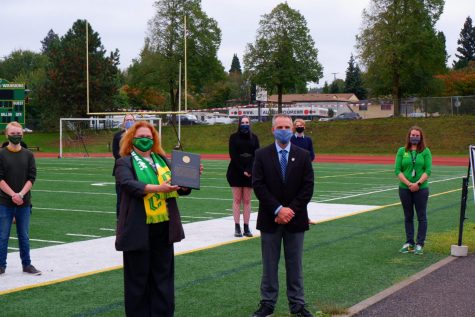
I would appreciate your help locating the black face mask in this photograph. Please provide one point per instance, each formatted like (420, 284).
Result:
(15, 139)
(300, 129)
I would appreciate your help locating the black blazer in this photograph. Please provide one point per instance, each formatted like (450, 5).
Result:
(132, 230)
(272, 192)
(116, 148)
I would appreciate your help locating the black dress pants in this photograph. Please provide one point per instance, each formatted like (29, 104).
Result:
(149, 277)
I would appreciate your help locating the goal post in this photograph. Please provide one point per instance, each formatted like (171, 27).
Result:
(81, 137)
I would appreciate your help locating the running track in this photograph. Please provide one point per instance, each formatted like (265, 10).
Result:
(321, 158)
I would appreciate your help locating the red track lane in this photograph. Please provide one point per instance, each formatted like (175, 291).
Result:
(321, 158)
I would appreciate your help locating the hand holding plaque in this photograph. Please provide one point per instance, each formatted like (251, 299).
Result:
(186, 169)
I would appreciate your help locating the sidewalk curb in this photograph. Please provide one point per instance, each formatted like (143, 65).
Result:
(393, 289)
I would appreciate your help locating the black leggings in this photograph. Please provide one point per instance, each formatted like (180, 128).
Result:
(409, 200)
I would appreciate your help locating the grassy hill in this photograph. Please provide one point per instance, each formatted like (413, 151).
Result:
(445, 136)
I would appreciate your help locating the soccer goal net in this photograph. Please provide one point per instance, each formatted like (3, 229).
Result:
(84, 137)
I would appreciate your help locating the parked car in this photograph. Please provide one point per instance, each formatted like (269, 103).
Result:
(416, 115)
(346, 116)
(219, 120)
(185, 119)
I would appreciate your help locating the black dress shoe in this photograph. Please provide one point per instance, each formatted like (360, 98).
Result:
(264, 310)
(247, 232)
(302, 312)
(237, 231)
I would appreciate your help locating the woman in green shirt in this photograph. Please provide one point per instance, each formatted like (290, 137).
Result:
(413, 168)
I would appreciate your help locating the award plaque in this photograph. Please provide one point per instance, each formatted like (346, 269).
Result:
(186, 169)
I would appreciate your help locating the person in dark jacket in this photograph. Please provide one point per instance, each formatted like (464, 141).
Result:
(149, 223)
(301, 140)
(283, 181)
(242, 146)
(305, 142)
(129, 120)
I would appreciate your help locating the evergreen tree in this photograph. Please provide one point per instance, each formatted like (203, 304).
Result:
(50, 40)
(353, 80)
(466, 45)
(64, 91)
(235, 65)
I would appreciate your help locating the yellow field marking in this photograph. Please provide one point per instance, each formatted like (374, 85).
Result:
(113, 268)
(60, 280)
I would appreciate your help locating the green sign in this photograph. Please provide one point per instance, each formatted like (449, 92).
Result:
(12, 103)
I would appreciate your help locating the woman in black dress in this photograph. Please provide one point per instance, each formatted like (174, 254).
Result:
(242, 146)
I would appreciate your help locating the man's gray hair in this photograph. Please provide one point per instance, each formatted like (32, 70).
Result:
(280, 115)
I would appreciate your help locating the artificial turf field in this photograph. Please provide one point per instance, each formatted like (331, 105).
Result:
(345, 260)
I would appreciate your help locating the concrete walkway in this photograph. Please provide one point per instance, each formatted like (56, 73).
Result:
(72, 260)
(445, 289)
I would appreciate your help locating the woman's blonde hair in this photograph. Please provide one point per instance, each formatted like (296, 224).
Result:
(12, 124)
(126, 146)
(302, 121)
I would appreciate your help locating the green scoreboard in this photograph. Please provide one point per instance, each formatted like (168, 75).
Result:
(12, 103)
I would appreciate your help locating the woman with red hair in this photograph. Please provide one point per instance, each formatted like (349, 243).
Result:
(149, 223)
(413, 168)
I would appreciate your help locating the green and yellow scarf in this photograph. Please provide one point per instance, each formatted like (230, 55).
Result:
(155, 203)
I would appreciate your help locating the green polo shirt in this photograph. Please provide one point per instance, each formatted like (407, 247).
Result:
(422, 164)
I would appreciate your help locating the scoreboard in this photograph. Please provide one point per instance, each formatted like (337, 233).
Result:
(12, 103)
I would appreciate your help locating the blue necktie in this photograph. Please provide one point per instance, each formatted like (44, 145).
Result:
(283, 162)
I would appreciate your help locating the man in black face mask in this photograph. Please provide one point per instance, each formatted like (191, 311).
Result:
(17, 175)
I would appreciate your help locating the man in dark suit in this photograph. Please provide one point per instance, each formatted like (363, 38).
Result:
(282, 178)
(129, 120)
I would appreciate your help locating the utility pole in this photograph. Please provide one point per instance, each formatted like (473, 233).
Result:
(334, 76)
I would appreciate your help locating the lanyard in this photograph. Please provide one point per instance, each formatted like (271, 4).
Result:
(414, 164)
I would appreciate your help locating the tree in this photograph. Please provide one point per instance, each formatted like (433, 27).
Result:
(400, 48)
(235, 65)
(64, 91)
(50, 40)
(459, 82)
(466, 45)
(283, 55)
(337, 86)
(21, 63)
(326, 88)
(353, 80)
(166, 42)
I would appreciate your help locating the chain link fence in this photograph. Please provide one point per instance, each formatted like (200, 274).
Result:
(433, 106)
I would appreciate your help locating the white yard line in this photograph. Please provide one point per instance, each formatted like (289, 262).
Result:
(82, 235)
(71, 260)
(39, 240)
(382, 190)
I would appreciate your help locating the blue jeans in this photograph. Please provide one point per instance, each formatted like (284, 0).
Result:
(22, 217)
(409, 200)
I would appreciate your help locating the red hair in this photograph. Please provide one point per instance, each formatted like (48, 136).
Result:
(126, 146)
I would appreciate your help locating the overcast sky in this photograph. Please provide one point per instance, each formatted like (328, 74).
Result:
(122, 24)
